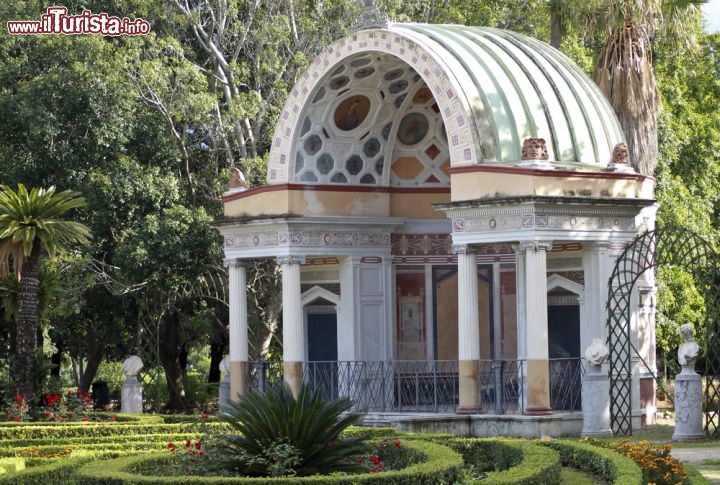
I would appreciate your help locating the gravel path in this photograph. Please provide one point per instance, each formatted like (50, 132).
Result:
(697, 458)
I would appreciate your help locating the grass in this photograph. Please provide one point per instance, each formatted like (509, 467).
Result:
(573, 476)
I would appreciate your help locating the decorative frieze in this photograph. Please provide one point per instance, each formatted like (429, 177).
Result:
(421, 244)
(513, 222)
(263, 239)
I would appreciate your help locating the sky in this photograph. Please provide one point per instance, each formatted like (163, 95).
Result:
(712, 15)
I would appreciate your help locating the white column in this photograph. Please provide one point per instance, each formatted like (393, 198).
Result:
(347, 309)
(538, 375)
(238, 327)
(468, 329)
(468, 318)
(293, 324)
(596, 273)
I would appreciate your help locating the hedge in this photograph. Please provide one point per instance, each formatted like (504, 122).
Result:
(440, 465)
(72, 430)
(612, 467)
(9, 465)
(59, 471)
(509, 461)
(9, 445)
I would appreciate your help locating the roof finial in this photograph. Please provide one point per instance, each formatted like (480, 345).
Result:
(371, 17)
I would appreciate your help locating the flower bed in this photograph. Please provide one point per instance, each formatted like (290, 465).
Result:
(439, 465)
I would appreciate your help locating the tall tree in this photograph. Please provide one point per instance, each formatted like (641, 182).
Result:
(32, 224)
(624, 70)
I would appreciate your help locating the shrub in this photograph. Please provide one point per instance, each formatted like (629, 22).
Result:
(507, 461)
(438, 465)
(612, 467)
(275, 433)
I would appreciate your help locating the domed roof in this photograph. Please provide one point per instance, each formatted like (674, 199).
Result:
(402, 104)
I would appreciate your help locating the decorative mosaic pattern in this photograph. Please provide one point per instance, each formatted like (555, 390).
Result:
(332, 71)
(421, 244)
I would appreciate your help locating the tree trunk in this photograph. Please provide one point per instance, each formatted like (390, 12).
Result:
(56, 360)
(217, 349)
(170, 350)
(555, 24)
(94, 358)
(27, 323)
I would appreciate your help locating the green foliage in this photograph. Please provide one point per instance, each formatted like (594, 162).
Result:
(438, 465)
(27, 217)
(307, 428)
(612, 467)
(507, 461)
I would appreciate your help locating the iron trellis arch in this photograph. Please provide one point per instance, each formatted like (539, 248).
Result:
(653, 248)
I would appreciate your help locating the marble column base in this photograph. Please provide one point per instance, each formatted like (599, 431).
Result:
(467, 387)
(293, 376)
(688, 407)
(538, 387)
(596, 403)
(238, 379)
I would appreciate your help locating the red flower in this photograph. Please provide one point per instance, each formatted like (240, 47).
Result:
(198, 445)
(204, 416)
(375, 459)
(20, 399)
(397, 443)
(187, 443)
(113, 418)
(201, 453)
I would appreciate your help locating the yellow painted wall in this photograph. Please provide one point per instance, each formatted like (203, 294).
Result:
(477, 185)
(319, 202)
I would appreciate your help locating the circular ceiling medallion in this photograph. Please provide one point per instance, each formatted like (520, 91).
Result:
(351, 112)
(413, 128)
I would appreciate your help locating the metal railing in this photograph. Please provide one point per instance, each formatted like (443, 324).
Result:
(430, 386)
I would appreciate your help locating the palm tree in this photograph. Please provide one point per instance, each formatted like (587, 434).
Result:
(624, 70)
(31, 225)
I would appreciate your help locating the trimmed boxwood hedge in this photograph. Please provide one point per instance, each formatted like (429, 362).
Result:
(612, 467)
(441, 465)
(9, 465)
(509, 461)
(73, 430)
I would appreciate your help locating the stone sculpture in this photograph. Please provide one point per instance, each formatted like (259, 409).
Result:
(688, 390)
(620, 155)
(689, 350)
(597, 353)
(534, 149)
(237, 179)
(131, 400)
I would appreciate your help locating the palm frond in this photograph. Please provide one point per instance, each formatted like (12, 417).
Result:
(36, 217)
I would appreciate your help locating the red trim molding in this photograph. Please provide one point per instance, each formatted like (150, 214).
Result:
(373, 189)
(548, 173)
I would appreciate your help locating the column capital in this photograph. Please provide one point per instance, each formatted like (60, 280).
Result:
(525, 246)
(234, 263)
(291, 260)
(463, 249)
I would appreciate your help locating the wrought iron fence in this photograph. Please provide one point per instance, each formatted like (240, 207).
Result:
(429, 386)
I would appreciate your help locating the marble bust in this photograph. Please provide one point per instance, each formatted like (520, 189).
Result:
(689, 351)
(597, 353)
(132, 366)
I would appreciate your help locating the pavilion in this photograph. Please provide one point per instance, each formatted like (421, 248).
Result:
(446, 204)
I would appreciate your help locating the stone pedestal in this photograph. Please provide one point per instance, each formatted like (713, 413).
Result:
(224, 393)
(596, 403)
(224, 397)
(131, 396)
(688, 406)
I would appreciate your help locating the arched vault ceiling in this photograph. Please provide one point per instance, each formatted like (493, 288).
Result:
(399, 106)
